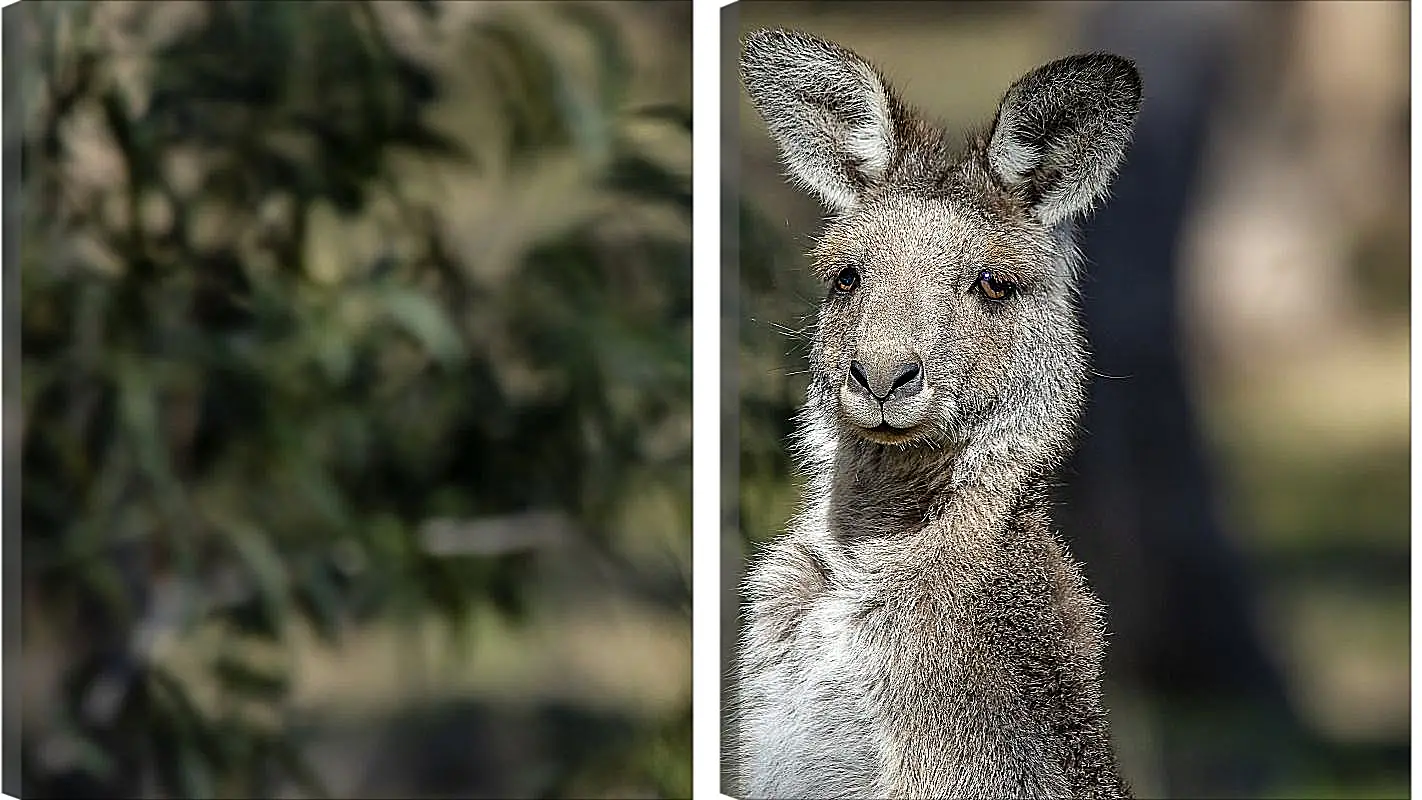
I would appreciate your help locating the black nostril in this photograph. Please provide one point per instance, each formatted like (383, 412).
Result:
(856, 371)
(907, 372)
(909, 380)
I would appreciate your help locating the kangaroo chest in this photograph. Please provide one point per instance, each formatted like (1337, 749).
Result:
(831, 683)
(814, 721)
(809, 728)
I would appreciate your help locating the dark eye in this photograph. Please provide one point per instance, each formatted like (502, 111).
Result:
(993, 288)
(847, 281)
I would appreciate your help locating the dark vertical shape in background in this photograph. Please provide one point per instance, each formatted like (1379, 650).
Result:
(1141, 506)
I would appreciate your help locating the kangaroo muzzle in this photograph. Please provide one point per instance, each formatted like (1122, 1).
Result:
(885, 392)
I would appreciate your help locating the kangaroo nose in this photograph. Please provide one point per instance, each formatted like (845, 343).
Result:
(905, 381)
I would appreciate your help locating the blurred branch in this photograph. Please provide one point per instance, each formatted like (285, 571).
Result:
(496, 536)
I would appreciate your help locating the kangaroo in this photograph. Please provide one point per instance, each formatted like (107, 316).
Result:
(920, 630)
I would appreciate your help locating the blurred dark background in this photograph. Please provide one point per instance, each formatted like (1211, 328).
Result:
(1240, 493)
(354, 403)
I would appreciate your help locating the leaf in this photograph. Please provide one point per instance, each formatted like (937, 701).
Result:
(614, 63)
(195, 778)
(246, 678)
(640, 176)
(123, 133)
(530, 87)
(677, 114)
(334, 351)
(87, 755)
(428, 141)
(312, 482)
(265, 566)
(179, 721)
(320, 599)
(299, 769)
(425, 320)
(416, 79)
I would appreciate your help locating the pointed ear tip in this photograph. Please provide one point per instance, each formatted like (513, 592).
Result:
(755, 48)
(1115, 59)
(771, 50)
(759, 44)
(769, 37)
(755, 37)
(1098, 68)
(1122, 67)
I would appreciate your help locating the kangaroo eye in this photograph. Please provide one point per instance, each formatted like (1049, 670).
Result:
(847, 281)
(993, 288)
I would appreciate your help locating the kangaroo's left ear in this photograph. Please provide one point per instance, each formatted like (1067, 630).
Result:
(830, 113)
(1062, 131)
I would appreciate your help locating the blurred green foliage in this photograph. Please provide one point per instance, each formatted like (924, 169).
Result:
(777, 318)
(241, 412)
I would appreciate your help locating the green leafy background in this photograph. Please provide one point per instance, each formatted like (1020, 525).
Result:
(355, 399)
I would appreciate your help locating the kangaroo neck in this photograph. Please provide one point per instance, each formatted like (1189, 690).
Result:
(880, 492)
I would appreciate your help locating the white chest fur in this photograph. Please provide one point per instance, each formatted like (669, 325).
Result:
(806, 726)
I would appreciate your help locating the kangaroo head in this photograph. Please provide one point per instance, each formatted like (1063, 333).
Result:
(950, 274)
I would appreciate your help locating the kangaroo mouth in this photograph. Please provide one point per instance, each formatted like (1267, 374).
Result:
(884, 433)
(899, 421)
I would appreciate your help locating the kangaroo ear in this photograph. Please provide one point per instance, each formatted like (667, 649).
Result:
(1063, 129)
(830, 113)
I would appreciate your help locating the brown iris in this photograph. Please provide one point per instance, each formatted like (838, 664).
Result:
(993, 287)
(847, 280)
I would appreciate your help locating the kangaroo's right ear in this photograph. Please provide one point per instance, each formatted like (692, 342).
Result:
(826, 108)
(1062, 131)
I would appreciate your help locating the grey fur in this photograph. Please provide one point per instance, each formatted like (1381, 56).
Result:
(920, 630)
